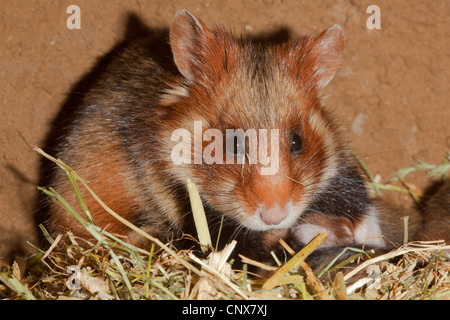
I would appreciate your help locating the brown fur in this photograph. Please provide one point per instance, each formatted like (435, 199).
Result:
(437, 216)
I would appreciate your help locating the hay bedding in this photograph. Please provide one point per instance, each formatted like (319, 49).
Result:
(109, 268)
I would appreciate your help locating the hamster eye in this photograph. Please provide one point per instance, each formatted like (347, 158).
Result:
(235, 145)
(295, 143)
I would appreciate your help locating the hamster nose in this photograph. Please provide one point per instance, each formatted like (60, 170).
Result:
(273, 215)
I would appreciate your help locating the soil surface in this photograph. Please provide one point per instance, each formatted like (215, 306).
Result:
(391, 94)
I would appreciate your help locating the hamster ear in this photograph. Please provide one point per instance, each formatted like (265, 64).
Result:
(329, 54)
(185, 40)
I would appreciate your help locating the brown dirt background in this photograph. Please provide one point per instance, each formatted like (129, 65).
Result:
(392, 92)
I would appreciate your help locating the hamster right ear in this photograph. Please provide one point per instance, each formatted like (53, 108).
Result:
(186, 34)
(329, 54)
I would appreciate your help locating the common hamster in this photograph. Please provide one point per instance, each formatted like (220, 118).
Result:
(121, 140)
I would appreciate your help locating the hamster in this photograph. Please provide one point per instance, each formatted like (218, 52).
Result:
(121, 140)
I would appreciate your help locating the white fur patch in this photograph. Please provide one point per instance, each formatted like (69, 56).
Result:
(320, 126)
(173, 94)
(369, 231)
(304, 233)
(255, 222)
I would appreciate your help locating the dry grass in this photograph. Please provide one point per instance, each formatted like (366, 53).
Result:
(110, 268)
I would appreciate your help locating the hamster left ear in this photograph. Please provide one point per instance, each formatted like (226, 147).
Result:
(329, 54)
(186, 37)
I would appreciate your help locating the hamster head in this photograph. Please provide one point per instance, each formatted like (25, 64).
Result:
(258, 106)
